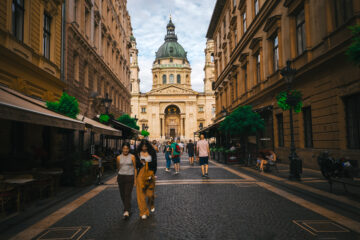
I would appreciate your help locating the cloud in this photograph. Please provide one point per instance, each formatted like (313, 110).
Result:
(191, 18)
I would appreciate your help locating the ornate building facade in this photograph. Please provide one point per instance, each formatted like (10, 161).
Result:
(30, 47)
(254, 39)
(172, 108)
(97, 56)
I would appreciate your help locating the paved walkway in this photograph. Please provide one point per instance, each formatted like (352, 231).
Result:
(231, 204)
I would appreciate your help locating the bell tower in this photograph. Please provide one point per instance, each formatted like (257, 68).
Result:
(134, 67)
(209, 67)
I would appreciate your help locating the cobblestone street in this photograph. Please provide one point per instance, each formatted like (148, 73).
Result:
(228, 205)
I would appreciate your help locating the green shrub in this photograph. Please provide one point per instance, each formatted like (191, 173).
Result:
(67, 105)
(128, 121)
(353, 52)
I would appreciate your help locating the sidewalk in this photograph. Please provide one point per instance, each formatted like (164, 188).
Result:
(315, 179)
(312, 184)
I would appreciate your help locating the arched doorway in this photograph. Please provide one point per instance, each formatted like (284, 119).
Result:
(172, 121)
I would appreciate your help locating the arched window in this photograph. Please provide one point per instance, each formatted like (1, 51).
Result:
(178, 78)
(171, 78)
(164, 79)
(131, 58)
(212, 57)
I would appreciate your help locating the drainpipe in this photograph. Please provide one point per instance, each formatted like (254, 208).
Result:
(63, 39)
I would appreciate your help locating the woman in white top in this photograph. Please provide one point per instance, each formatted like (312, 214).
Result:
(126, 167)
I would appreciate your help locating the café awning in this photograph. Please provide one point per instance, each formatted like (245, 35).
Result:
(99, 127)
(19, 107)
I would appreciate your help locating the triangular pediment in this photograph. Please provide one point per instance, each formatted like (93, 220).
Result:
(171, 90)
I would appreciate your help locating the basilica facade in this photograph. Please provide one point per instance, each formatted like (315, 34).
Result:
(172, 108)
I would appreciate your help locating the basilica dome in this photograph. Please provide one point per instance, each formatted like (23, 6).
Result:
(171, 48)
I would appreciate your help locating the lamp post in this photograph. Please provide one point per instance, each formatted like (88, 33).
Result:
(106, 101)
(136, 119)
(295, 162)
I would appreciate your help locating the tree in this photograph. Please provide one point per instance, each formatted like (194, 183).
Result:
(128, 121)
(353, 51)
(242, 122)
(145, 133)
(67, 105)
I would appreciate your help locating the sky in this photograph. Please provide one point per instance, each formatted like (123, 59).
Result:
(191, 18)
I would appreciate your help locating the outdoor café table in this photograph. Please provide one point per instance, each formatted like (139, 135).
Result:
(55, 174)
(19, 183)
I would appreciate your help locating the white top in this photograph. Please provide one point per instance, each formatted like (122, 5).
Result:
(147, 159)
(126, 165)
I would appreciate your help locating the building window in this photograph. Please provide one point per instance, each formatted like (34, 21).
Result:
(178, 79)
(96, 34)
(258, 70)
(244, 21)
(276, 53)
(143, 110)
(280, 128)
(164, 79)
(76, 67)
(95, 82)
(171, 60)
(201, 125)
(158, 61)
(236, 86)
(143, 126)
(256, 6)
(213, 111)
(171, 79)
(76, 2)
(300, 32)
(201, 109)
(86, 75)
(308, 136)
(245, 77)
(17, 9)
(46, 36)
(352, 108)
(212, 57)
(235, 38)
(131, 58)
(342, 11)
(87, 22)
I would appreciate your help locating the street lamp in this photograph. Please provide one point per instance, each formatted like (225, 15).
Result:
(135, 119)
(106, 101)
(295, 162)
(224, 112)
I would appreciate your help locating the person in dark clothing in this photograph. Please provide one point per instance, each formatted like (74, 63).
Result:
(190, 149)
(146, 165)
(167, 151)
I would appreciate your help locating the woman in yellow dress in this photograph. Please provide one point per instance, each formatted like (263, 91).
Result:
(146, 165)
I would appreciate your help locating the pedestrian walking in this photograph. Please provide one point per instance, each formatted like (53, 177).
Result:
(167, 151)
(175, 155)
(155, 146)
(203, 152)
(146, 165)
(126, 165)
(190, 149)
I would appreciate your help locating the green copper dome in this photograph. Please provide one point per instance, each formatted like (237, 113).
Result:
(171, 48)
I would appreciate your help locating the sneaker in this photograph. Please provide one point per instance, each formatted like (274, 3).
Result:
(206, 175)
(176, 173)
(203, 176)
(152, 210)
(126, 215)
(143, 217)
(167, 170)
